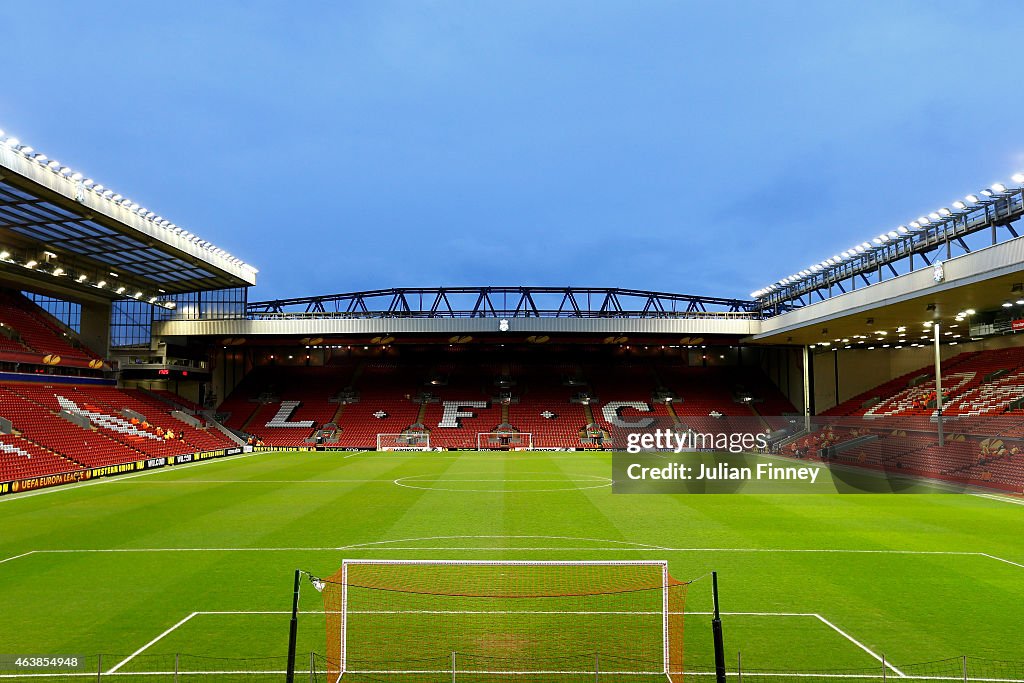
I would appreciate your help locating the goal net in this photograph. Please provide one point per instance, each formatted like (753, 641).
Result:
(406, 441)
(496, 441)
(413, 620)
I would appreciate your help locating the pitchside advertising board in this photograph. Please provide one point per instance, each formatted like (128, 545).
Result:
(46, 481)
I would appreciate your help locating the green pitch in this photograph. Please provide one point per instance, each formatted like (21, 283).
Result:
(199, 559)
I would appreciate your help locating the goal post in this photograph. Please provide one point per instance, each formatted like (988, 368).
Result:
(406, 441)
(503, 620)
(497, 441)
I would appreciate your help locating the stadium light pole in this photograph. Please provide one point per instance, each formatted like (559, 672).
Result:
(938, 381)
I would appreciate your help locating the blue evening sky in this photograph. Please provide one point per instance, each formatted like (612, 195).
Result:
(697, 147)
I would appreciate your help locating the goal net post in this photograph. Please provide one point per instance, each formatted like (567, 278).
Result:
(406, 441)
(494, 441)
(412, 620)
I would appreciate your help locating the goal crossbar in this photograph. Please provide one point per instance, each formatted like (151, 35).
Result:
(489, 441)
(504, 618)
(405, 441)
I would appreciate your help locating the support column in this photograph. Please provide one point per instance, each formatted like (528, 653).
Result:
(807, 388)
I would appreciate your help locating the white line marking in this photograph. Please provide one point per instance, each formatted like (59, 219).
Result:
(860, 645)
(1001, 559)
(1001, 499)
(353, 455)
(770, 674)
(634, 544)
(147, 645)
(122, 477)
(8, 559)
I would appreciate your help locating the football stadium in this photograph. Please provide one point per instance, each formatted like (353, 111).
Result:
(820, 480)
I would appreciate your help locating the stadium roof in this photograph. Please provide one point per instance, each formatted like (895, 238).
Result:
(61, 230)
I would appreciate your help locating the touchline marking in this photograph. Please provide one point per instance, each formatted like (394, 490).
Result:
(353, 455)
(1001, 499)
(8, 559)
(147, 645)
(860, 645)
(123, 477)
(1002, 559)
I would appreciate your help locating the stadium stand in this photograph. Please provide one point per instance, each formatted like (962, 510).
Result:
(554, 403)
(33, 332)
(123, 426)
(983, 423)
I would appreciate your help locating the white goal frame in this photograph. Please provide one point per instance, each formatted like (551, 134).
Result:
(394, 444)
(527, 446)
(345, 564)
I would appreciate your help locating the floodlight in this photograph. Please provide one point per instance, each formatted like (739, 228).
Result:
(13, 142)
(82, 278)
(101, 284)
(902, 230)
(4, 255)
(120, 290)
(58, 271)
(923, 220)
(972, 199)
(945, 213)
(998, 187)
(959, 205)
(1018, 178)
(32, 264)
(1007, 304)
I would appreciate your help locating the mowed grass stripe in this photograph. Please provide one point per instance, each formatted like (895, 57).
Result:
(910, 607)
